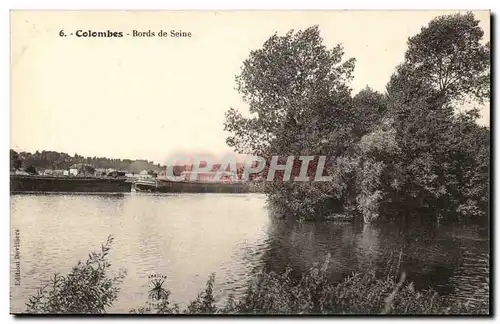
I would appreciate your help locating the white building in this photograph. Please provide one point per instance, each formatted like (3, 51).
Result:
(50, 172)
(99, 172)
(133, 175)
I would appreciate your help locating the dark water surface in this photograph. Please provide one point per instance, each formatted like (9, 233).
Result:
(188, 236)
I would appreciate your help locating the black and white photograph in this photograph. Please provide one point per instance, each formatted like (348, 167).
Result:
(250, 162)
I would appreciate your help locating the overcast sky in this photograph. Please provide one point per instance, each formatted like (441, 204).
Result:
(154, 97)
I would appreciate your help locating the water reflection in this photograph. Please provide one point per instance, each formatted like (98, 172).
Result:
(449, 259)
(368, 247)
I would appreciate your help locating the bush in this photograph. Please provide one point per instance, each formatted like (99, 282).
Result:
(86, 289)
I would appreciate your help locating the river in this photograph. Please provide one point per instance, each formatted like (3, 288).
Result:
(188, 236)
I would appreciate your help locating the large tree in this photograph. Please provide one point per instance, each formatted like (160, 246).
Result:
(15, 162)
(297, 93)
(296, 90)
(449, 57)
(406, 153)
(445, 63)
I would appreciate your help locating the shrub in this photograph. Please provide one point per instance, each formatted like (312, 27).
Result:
(205, 302)
(86, 289)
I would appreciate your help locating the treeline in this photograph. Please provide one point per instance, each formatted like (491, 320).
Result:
(406, 154)
(56, 161)
(43, 160)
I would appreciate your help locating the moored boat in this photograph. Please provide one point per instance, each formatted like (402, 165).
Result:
(28, 183)
(166, 186)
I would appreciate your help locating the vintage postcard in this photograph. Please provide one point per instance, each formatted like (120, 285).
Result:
(250, 162)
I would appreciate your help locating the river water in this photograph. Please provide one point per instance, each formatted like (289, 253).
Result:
(187, 237)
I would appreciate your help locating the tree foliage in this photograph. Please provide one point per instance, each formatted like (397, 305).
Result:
(299, 99)
(15, 162)
(295, 87)
(448, 55)
(30, 169)
(403, 154)
(444, 63)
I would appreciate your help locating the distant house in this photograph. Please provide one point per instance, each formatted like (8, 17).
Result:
(83, 169)
(73, 172)
(58, 172)
(99, 172)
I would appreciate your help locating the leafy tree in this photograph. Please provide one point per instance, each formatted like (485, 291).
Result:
(406, 153)
(15, 162)
(374, 177)
(445, 63)
(86, 169)
(293, 85)
(448, 55)
(299, 103)
(31, 169)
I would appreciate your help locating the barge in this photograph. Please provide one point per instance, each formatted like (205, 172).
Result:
(166, 186)
(25, 183)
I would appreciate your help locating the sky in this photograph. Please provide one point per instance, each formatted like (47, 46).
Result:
(155, 97)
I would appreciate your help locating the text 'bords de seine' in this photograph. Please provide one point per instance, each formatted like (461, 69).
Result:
(161, 33)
